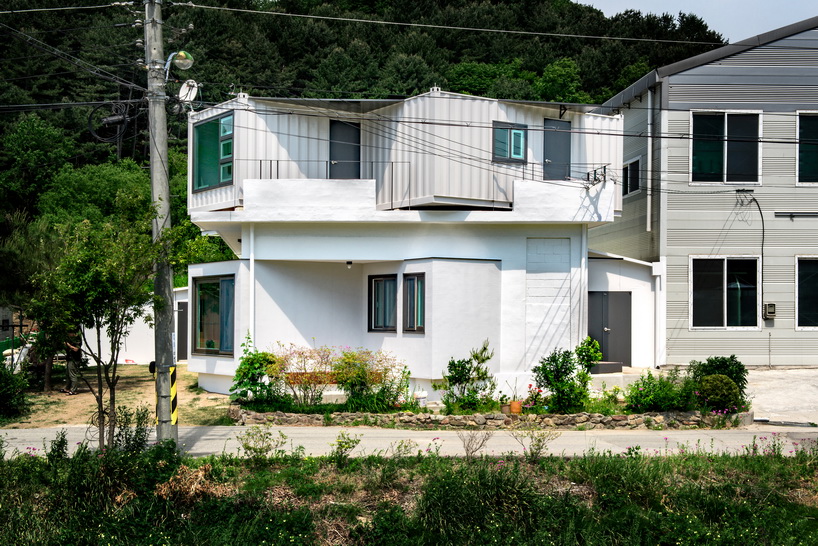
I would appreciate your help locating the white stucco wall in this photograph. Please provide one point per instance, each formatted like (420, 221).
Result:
(621, 275)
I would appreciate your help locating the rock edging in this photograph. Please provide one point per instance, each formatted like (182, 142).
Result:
(496, 421)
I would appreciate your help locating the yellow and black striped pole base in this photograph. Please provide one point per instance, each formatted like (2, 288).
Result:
(174, 399)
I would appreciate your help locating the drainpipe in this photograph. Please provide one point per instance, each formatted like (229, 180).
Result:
(251, 327)
(659, 272)
(649, 160)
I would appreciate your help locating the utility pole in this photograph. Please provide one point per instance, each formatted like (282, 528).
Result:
(160, 192)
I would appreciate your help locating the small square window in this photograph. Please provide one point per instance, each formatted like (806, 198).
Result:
(383, 299)
(509, 143)
(414, 302)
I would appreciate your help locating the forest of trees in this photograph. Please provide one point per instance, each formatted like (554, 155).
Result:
(59, 162)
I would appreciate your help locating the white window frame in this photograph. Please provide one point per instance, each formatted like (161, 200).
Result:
(724, 182)
(725, 257)
(513, 129)
(641, 170)
(797, 137)
(798, 258)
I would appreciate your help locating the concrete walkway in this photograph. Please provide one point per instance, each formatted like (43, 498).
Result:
(199, 441)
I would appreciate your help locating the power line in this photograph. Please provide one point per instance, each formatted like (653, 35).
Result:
(69, 8)
(88, 67)
(442, 27)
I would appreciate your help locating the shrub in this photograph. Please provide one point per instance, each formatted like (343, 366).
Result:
(468, 385)
(721, 365)
(307, 371)
(259, 376)
(661, 393)
(373, 381)
(588, 353)
(13, 399)
(559, 373)
(719, 392)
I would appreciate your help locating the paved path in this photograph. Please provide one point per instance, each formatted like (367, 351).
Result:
(200, 441)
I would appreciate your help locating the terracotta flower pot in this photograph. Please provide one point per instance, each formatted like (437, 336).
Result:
(516, 407)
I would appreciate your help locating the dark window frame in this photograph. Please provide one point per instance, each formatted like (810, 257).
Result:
(806, 317)
(808, 148)
(414, 320)
(499, 154)
(722, 148)
(221, 160)
(372, 312)
(195, 330)
(632, 176)
(711, 284)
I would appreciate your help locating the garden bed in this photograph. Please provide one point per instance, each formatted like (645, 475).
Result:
(497, 421)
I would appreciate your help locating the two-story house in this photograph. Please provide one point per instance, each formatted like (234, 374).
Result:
(420, 226)
(720, 199)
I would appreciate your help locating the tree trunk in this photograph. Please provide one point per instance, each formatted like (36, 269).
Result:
(49, 364)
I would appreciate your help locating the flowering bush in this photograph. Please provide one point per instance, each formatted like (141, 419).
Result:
(307, 371)
(536, 401)
(568, 385)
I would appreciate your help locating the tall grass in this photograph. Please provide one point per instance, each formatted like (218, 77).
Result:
(766, 495)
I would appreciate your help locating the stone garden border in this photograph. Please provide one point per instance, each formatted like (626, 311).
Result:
(496, 421)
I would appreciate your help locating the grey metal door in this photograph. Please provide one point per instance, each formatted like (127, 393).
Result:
(557, 149)
(344, 150)
(609, 322)
(181, 331)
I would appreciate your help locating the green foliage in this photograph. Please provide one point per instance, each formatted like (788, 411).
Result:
(661, 393)
(13, 399)
(258, 376)
(373, 381)
(342, 446)
(721, 365)
(561, 374)
(719, 392)
(588, 353)
(468, 384)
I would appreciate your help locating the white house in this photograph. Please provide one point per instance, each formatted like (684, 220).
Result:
(420, 226)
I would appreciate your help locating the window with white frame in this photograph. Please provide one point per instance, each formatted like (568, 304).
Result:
(383, 299)
(509, 142)
(630, 177)
(414, 302)
(807, 293)
(724, 292)
(725, 147)
(213, 153)
(213, 312)
(808, 148)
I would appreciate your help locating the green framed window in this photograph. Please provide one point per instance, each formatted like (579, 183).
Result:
(414, 302)
(808, 148)
(383, 298)
(509, 142)
(807, 293)
(213, 153)
(213, 312)
(725, 147)
(724, 292)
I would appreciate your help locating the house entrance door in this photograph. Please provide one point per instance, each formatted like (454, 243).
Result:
(344, 150)
(609, 322)
(557, 149)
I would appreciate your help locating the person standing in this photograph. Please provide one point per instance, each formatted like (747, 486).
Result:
(73, 359)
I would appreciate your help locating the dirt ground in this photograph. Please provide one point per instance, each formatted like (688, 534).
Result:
(136, 387)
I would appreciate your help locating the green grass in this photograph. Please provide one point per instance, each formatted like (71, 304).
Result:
(683, 496)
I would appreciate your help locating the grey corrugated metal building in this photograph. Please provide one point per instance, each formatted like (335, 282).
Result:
(720, 186)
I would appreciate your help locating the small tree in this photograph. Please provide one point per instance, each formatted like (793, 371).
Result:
(102, 282)
(468, 385)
